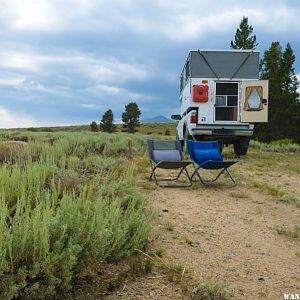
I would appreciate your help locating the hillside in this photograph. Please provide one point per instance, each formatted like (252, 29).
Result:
(157, 119)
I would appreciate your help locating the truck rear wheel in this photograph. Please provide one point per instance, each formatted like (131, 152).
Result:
(239, 149)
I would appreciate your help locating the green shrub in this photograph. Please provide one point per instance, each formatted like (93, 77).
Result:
(283, 146)
(64, 206)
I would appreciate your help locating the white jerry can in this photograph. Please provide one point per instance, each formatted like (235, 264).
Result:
(254, 101)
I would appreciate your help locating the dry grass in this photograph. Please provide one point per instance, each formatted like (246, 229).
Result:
(292, 233)
(209, 289)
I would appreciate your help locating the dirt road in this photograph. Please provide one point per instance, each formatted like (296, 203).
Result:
(245, 235)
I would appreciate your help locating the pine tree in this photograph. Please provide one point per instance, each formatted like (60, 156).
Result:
(107, 122)
(290, 94)
(131, 117)
(270, 70)
(290, 82)
(284, 106)
(243, 38)
(94, 126)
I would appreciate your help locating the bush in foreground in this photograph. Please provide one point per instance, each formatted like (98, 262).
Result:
(61, 211)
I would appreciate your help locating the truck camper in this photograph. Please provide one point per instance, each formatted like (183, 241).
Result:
(221, 97)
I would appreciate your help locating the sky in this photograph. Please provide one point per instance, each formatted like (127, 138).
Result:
(65, 62)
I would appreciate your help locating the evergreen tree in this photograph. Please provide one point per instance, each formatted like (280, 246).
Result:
(94, 126)
(244, 39)
(270, 70)
(290, 94)
(131, 117)
(107, 122)
(290, 82)
(284, 107)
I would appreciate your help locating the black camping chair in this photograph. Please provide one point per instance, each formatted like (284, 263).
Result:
(167, 155)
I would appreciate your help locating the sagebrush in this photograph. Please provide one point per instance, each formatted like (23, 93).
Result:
(67, 200)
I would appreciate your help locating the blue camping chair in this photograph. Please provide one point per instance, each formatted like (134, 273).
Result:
(207, 155)
(167, 155)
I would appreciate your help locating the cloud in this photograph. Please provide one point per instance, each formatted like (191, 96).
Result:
(70, 60)
(11, 81)
(178, 21)
(90, 106)
(31, 85)
(20, 60)
(9, 119)
(103, 69)
(109, 69)
(120, 92)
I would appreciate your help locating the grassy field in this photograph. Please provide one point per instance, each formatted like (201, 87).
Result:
(68, 201)
(73, 208)
(144, 128)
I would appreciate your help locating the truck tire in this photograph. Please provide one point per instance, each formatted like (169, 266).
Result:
(239, 150)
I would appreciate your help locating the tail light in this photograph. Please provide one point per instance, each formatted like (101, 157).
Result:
(193, 117)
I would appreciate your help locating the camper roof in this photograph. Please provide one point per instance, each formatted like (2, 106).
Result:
(230, 64)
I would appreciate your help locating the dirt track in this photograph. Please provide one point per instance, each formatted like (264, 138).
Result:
(229, 233)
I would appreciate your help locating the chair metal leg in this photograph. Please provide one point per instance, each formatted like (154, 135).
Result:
(152, 170)
(188, 176)
(197, 172)
(234, 182)
(153, 177)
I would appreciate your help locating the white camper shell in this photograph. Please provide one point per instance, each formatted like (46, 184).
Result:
(221, 97)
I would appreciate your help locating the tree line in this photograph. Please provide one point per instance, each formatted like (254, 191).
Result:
(277, 66)
(130, 118)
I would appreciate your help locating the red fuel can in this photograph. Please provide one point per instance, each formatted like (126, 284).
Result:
(200, 93)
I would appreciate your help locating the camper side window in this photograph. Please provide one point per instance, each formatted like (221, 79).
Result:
(181, 83)
(187, 71)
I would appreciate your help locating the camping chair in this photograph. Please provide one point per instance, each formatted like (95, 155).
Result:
(207, 155)
(167, 155)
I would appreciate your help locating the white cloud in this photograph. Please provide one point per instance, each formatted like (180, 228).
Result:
(31, 85)
(175, 20)
(118, 92)
(9, 119)
(183, 22)
(104, 69)
(11, 81)
(31, 15)
(21, 60)
(109, 69)
(90, 106)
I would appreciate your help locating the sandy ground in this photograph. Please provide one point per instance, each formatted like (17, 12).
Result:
(228, 233)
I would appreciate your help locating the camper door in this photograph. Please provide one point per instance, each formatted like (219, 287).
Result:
(254, 101)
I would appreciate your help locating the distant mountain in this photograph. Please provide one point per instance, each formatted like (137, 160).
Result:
(157, 119)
